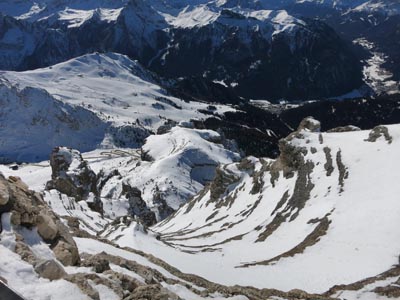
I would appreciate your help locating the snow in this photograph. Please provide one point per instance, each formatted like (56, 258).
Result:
(387, 8)
(113, 86)
(127, 272)
(103, 99)
(91, 246)
(185, 293)
(105, 293)
(375, 75)
(21, 276)
(65, 206)
(79, 102)
(187, 157)
(347, 253)
(366, 293)
(76, 18)
(33, 122)
(200, 16)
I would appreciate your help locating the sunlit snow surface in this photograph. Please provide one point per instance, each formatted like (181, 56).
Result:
(361, 241)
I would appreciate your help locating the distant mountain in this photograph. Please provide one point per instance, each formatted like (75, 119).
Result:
(96, 100)
(242, 47)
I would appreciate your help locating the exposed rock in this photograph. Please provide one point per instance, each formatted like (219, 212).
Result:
(97, 262)
(4, 193)
(377, 132)
(343, 172)
(163, 209)
(390, 291)
(50, 269)
(344, 129)
(126, 283)
(309, 124)
(82, 283)
(291, 157)
(72, 176)
(152, 292)
(66, 253)
(223, 178)
(166, 127)
(137, 206)
(28, 209)
(104, 176)
(25, 252)
(46, 227)
(24, 204)
(329, 162)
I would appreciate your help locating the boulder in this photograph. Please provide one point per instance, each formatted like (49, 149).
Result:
(309, 124)
(50, 269)
(153, 292)
(66, 253)
(98, 263)
(46, 227)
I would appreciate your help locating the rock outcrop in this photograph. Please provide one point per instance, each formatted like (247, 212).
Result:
(72, 176)
(137, 206)
(50, 269)
(29, 210)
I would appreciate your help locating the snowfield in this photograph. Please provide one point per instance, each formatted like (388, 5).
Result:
(116, 88)
(94, 101)
(215, 239)
(264, 230)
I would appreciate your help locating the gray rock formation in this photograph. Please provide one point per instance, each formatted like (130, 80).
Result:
(137, 206)
(378, 132)
(97, 262)
(72, 176)
(309, 124)
(50, 269)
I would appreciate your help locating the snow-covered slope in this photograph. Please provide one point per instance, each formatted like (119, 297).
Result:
(95, 99)
(179, 164)
(325, 213)
(168, 170)
(63, 10)
(387, 7)
(118, 89)
(33, 122)
(41, 260)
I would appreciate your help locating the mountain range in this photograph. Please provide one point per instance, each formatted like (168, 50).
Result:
(185, 150)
